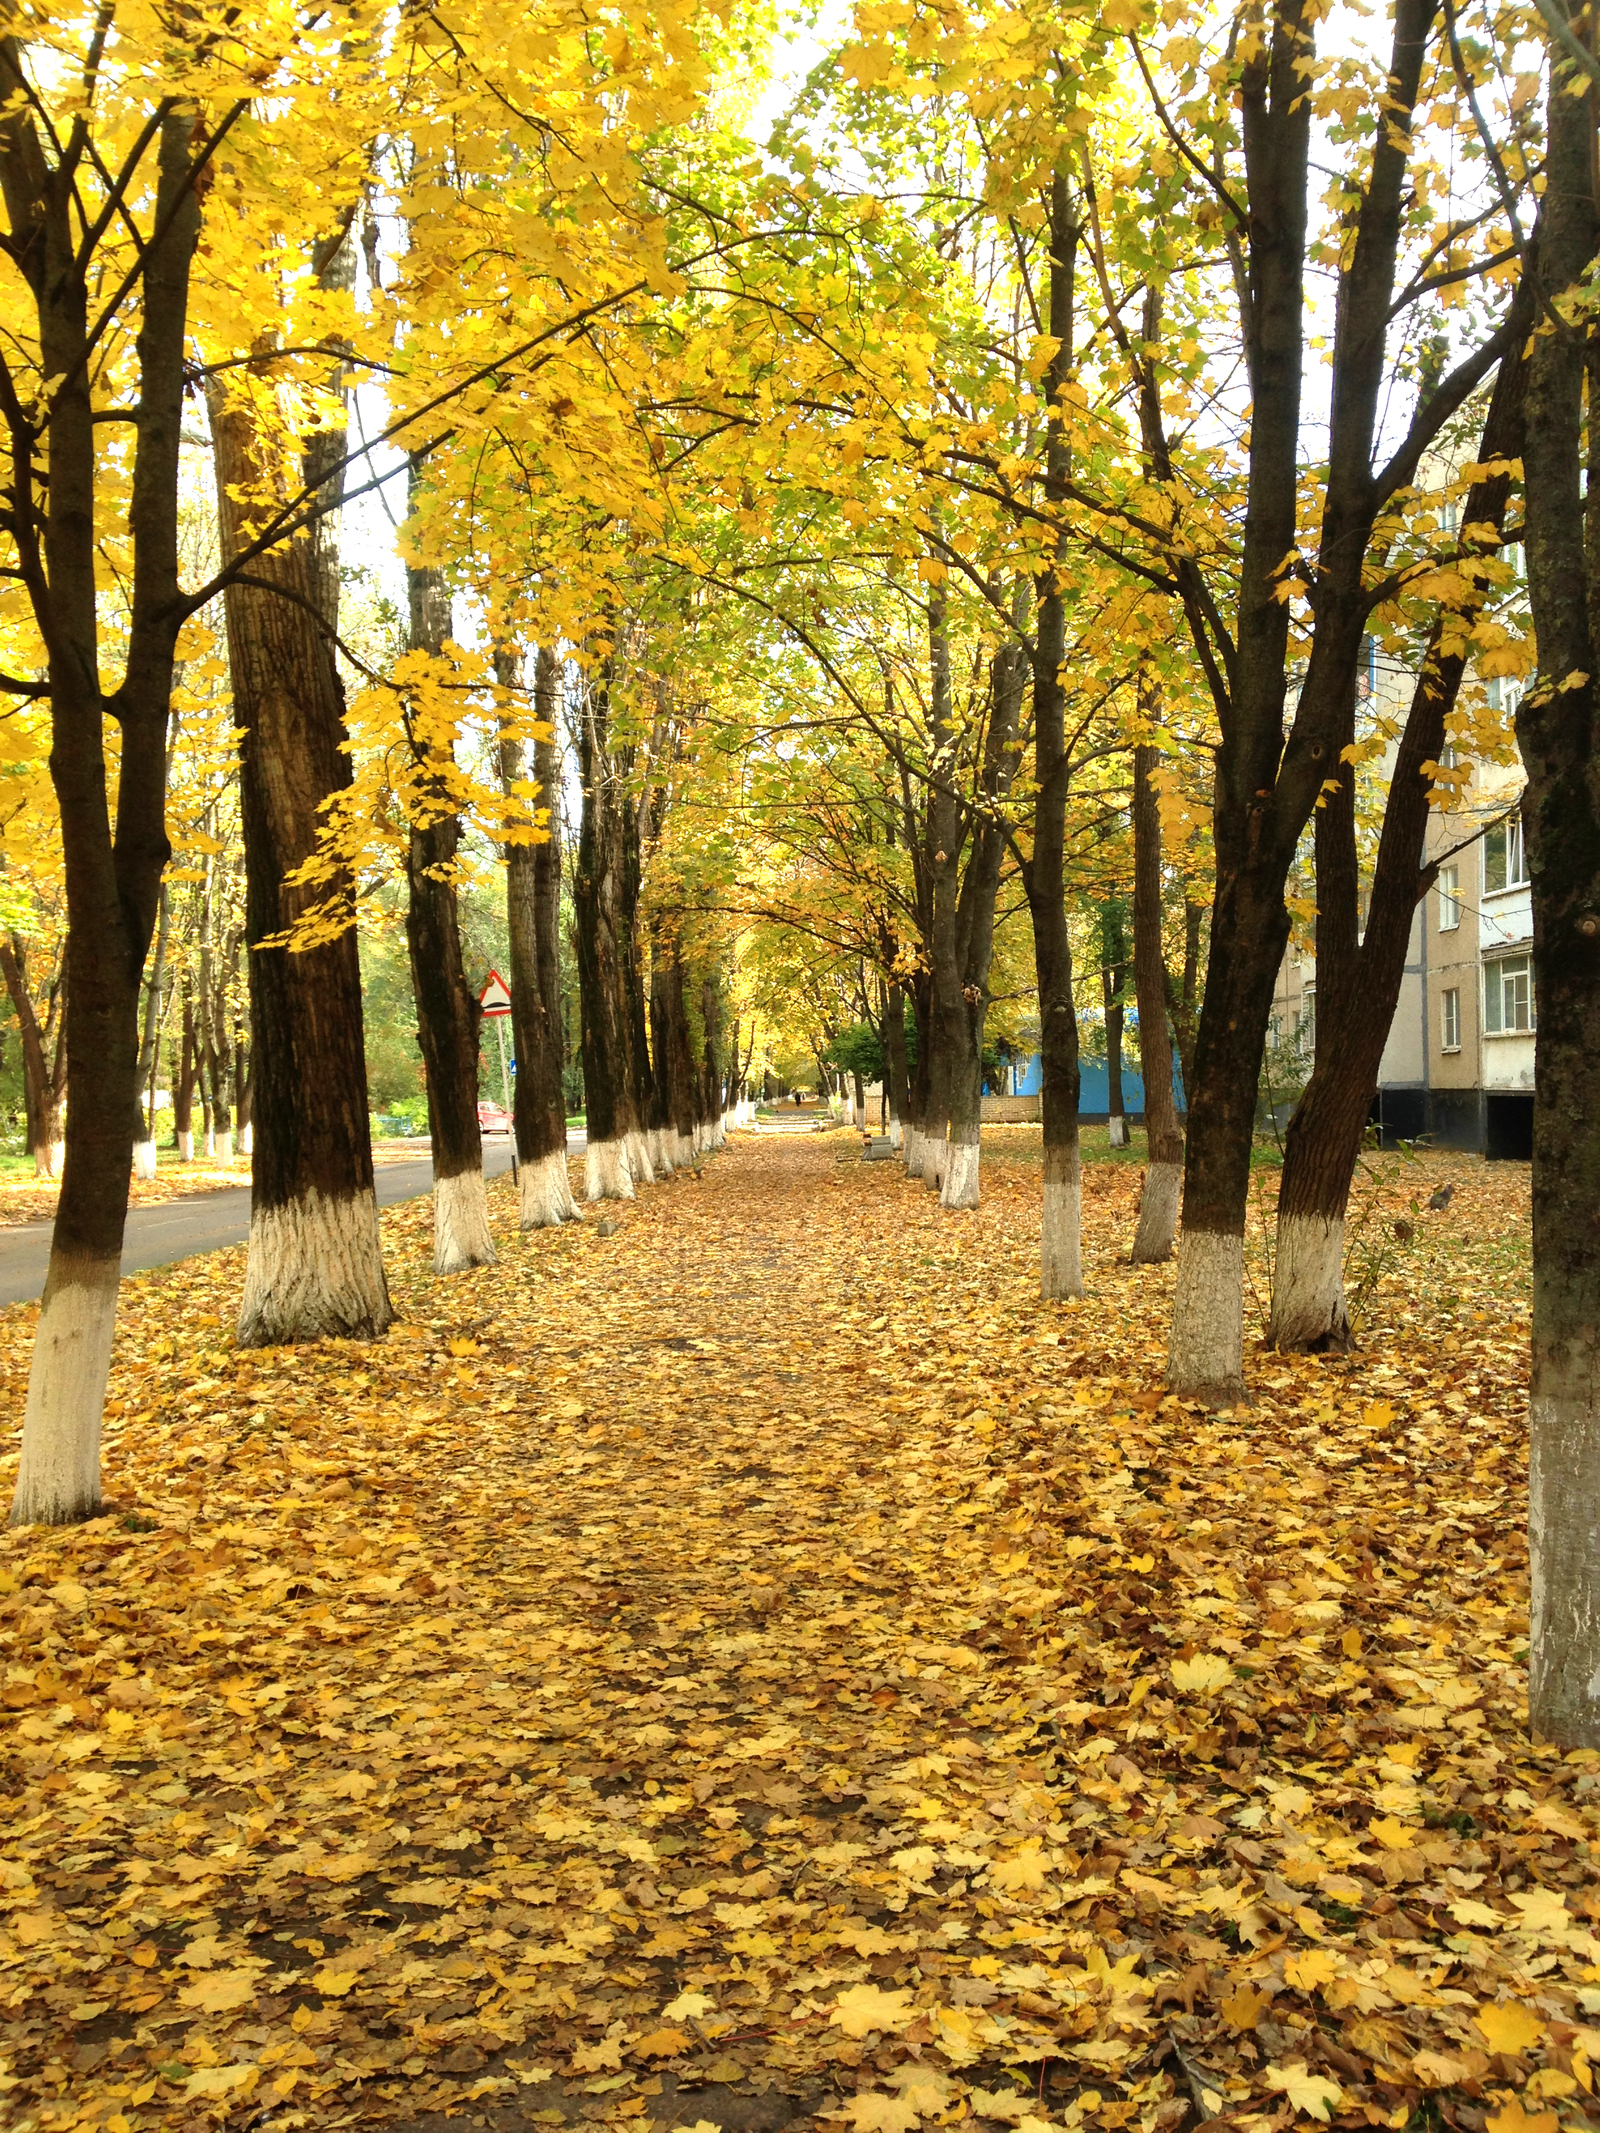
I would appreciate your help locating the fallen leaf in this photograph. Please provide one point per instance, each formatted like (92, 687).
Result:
(865, 2008)
(1510, 2027)
(1313, 2094)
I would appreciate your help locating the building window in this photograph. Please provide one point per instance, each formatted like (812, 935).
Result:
(1505, 859)
(1449, 898)
(1450, 1019)
(1508, 995)
(1307, 1030)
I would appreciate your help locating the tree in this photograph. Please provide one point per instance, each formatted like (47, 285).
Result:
(1556, 732)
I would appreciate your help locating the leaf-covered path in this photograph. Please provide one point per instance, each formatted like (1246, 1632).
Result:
(762, 1663)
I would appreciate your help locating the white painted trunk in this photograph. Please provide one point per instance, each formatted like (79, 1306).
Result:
(1308, 1306)
(912, 1149)
(1205, 1349)
(315, 1270)
(897, 1134)
(660, 1160)
(211, 1143)
(461, 1223)
(185, 1147)
(58, 1481)
(224, 1145)
(144, 1159)
(933, 1160)
(1158, 1214)
(1061, 1239)
(960, 1188)
(1117, 1130)
(636, 1149)
(605, 1172)
(1564, 1543)
(849, 1110)
(545, 1194)
(49, 1159)
(247, 1140)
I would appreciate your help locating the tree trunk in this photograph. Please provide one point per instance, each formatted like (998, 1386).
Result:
(1359, 978)
(602, 977)
(183, 1085)
(43, 1059)
(315, 1266)
(1163, 1177)
(894, 1053)
(113, 877)
(1113, 976)
(144, 1142)
(448, 1014)
(1061, 1248)
(244, 1085)
(1556, 732)
(533, 924)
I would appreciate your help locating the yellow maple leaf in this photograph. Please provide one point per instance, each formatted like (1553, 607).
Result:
(1315, 1967)
(874, 2112)
(1203, 1675)
(221, 2080)
(216, 1995)
(596, 2058)
(1510, 2027)
(1244, 2007)
(661, 2044)
(1514, 2119)
(1314, 2094)
(1026, 1870)
(1393, 1835)
(867, 2007)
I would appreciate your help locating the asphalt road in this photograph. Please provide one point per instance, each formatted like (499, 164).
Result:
(207, 1222)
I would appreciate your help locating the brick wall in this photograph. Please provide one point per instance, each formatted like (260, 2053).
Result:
(1010, 1110)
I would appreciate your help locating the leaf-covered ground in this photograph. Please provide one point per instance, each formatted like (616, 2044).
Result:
(764, 1665)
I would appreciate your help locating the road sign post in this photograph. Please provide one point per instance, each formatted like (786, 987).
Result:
(495, 1001)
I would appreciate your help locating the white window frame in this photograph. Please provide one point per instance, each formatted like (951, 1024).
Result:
(1449, 886)
(1494, 976)
(1516, 857)
(1450, 1019)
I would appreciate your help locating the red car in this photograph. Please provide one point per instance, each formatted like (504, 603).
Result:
(491, 1119)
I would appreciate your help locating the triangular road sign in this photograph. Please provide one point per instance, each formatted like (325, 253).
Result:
(493, 997)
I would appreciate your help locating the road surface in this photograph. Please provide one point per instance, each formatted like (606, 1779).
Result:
(208, 1221)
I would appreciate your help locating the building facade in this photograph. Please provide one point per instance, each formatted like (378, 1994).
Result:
(1458, 1067)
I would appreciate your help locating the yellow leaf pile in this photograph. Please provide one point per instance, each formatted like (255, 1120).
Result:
(764, 1664)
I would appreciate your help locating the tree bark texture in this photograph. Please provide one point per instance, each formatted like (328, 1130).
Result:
(1556, 733)
(44, 1056)
(315, 1265)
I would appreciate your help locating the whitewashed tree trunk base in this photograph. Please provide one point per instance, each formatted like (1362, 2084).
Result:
(636, 1150)
(58, 1480)
(1564, 1537)
(185, 1147)
(49, 1160)
(897, 1134)
(1061, 1239)
(247, 1140)
(211, 1144)
(960, 1188)
(605, 1172)
(144, 1159)
(1205, 1350)
(1308, 1306)
(1117, 1130)
(224, 1145)
(545, 1194)
(1158, 1214)
(461, 1236)
(315, 1271)
(660, 1161)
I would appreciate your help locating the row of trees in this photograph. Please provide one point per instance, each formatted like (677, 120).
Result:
(917, 523)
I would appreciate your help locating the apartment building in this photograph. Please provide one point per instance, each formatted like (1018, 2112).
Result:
(1458, 1066)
